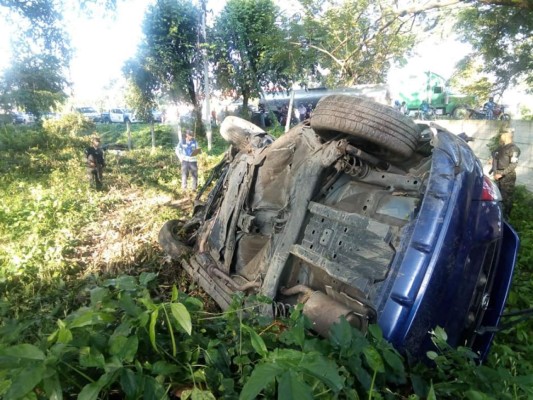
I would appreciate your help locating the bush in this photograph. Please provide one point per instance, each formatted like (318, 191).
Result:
(72, 125)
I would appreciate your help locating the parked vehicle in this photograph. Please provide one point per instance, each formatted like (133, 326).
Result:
(18, 117)
(361, 214)
(157, 116)
(278, 101)
(434, 89)
(90, 113)
(498, 113)
(118, 115)
(51, 116)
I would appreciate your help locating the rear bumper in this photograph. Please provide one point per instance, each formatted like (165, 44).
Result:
(500, 290)
(458, 262)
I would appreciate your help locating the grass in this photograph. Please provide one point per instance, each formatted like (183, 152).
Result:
(73, 257)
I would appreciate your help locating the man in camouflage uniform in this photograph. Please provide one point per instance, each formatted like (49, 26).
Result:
(504, 161)
(95, 163)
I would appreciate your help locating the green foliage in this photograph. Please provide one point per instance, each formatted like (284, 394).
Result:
(249, 50)
(131, 333)
(34, 84)
(501, 36)
(40, 53)
(469, 79)
(357, 41)
(168, 57)
(526, 113)
(456, 374)
(73, 125)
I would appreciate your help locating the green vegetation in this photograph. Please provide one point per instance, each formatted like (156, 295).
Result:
(91, 308)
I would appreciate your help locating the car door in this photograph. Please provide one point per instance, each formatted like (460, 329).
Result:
(116, 115)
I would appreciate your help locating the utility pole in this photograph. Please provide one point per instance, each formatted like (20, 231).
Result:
(207, 120)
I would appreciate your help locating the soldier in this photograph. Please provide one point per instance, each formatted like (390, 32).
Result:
(504, 162)
(95, 163)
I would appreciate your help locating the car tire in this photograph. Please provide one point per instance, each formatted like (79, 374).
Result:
(170, 240)
(368, 122)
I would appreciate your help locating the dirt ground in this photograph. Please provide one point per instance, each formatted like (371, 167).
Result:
(123, 240)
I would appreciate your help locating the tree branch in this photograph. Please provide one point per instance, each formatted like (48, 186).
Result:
(522, 4)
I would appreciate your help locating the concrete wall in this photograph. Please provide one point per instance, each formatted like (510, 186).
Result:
(483, 131)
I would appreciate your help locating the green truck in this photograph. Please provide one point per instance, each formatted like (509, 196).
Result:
(435, 90)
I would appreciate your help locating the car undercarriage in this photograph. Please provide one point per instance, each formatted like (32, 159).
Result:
(352, 215)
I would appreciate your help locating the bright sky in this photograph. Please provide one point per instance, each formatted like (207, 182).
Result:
(102, 46)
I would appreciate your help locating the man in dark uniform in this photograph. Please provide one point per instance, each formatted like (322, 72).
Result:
(504, 162)
(95, 163)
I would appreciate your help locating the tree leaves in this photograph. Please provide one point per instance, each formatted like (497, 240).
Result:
(501, 36)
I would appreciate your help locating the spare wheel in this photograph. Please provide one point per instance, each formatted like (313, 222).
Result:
(367, 122)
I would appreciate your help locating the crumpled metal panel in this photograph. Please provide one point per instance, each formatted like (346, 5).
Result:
(219, 230)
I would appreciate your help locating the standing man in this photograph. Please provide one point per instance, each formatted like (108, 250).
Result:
(302, 110)
(95, 163)
(186, 152)
(504, 162)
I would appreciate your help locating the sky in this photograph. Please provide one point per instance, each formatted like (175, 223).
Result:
(102, 45)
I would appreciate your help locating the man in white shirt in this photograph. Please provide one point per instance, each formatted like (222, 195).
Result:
(186, 152)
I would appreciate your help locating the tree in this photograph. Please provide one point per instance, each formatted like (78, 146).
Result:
(34, 84)
(142, 92)
(501, 34)
(169, 53)
(35, 81)
(356, 41)
(249, 51)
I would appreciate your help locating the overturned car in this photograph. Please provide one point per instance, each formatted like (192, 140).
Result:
(357, 213)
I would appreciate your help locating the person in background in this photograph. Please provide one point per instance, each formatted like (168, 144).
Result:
(489, 107)
(403, 108)
(302, 111)
(95, 163)
(308, 111)
(397, 105)
(186, 152)
(504, 162)
(424, 110)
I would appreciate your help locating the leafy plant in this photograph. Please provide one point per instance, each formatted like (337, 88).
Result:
(90, 307)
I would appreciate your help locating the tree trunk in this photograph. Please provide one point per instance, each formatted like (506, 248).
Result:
(198, 125)
(152, 132)
(128, 130)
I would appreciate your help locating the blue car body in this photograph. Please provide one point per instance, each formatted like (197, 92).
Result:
(363, 222)
(456, 267)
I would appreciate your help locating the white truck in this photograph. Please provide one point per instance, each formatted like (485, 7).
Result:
(118, 115)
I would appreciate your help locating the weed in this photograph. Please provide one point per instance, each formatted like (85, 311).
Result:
(91, 307)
